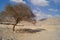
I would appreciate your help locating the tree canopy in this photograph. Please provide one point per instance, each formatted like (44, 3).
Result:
(19, 12)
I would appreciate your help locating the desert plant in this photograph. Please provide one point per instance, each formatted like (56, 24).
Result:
(19, 12)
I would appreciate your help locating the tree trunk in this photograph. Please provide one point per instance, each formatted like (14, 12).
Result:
(15, 24)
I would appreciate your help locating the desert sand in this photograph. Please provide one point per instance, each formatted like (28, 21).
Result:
(51, 32)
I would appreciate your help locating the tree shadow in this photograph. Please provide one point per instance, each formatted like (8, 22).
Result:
(10, 24)
(25, 30)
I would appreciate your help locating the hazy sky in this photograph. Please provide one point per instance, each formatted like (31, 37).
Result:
(44, 8)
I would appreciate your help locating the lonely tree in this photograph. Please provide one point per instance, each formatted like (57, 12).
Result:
(19, 12)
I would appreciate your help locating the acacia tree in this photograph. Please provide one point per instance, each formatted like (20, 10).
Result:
(19, 12)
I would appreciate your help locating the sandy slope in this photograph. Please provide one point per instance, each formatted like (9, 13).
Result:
(52, 31)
